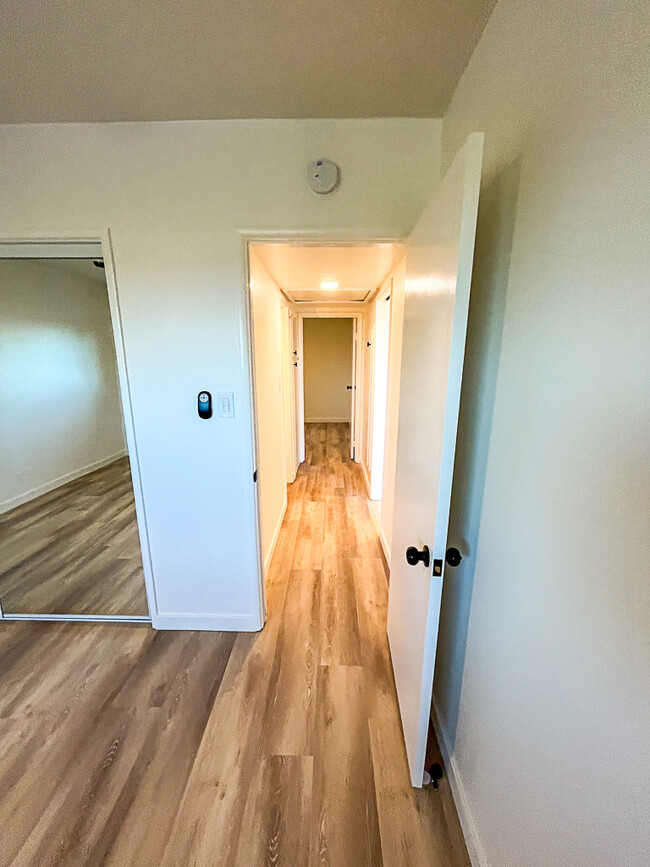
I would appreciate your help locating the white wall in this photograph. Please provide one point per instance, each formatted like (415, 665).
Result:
(392, 408)
(543, 676)
(376, 324)
(381, 356)
(327, 369)
(367, 386)
(266, 304)
(289, 376)
(60, 411)
(174, 196)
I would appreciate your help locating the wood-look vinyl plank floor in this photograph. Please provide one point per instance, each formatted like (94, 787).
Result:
(75, 550)
(124, 746)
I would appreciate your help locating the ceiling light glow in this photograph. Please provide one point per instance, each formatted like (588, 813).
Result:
(329, 284)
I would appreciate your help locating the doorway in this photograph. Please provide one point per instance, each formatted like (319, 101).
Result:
(330, 692)
(433, 309)
(312, 310)
(329, 376)
(70, 538)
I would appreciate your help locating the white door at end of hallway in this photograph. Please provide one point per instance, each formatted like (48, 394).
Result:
(440, 252)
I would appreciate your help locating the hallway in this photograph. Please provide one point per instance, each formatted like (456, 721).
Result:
(321, 766)
(121, 745)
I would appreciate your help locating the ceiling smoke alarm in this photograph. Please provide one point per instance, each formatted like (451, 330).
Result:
(323, 176)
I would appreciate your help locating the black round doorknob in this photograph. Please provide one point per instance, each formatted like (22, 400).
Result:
(413, 556)
(453, 556)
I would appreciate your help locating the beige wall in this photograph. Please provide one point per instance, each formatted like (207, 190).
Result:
(60, 410)
(327, 366)
(543, 675)
(266, 307)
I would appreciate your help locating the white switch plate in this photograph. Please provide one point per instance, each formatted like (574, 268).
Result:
(226, 404)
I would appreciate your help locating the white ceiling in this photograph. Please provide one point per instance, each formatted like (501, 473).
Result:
(71, 60)
(358, 270)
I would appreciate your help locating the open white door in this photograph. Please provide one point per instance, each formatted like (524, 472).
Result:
(440, 251)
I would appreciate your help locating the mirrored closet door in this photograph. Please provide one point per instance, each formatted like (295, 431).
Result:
(69, 542)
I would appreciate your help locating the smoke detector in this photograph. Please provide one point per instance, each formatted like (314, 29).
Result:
(323, 176)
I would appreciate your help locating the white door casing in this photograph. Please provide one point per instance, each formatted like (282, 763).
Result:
(356, 373)
(353, 391)
(440, 252)
(369, 353)
(288, 395)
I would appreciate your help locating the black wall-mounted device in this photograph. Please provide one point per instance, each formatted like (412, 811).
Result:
(205, 404)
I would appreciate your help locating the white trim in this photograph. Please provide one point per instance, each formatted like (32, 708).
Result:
(209, 622)
(322, 237)
(300, 394)
(46, 487)
(78, 618)
(56, 243)
(129, 421)
(472, 840)
(288, 390)
(328, 311)
(247, 344)
(276, 536)
(385, 546)
(39, 249)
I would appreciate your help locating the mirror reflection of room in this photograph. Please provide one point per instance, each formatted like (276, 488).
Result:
(69, 541)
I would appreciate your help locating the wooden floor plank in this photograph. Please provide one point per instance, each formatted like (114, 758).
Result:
(276, 825)
(345, 821)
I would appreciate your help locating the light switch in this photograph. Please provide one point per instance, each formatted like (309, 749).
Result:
(226, 405)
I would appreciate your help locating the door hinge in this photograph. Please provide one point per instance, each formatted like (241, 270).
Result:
(255, 476)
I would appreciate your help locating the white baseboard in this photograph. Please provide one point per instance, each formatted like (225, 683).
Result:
(32, 494)
(77, 618)
(384, 545)
(474, 847)
(276, 536)
(208, 622)
(326, 420)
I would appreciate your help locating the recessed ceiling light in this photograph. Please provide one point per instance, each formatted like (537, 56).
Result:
(329, 284)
